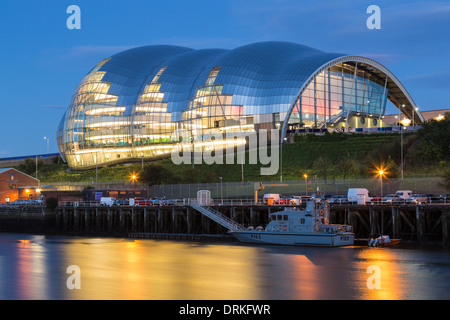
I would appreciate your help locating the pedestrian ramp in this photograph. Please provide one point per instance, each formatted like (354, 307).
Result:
(218, 217)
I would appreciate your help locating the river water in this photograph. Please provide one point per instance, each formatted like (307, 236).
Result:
(41, 267)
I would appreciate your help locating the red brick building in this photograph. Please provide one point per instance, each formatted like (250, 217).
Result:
(15, 184)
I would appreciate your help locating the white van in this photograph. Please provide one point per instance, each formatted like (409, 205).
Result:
(107, 201)
(271, 198)
(358, 195)
(404, 194)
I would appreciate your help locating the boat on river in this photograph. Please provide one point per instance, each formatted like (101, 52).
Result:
(383, 241)
(308, 227)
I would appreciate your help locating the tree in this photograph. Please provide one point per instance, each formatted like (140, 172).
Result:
(156, 174)
(209, 176)
(392, 169)
(191, 175)
(323, 166)
(347, 166)
(434, 144)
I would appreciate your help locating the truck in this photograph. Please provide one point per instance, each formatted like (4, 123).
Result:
(107, 201)
(358, 195)
(271, 198)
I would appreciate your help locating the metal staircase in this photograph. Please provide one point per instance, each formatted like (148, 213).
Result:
(217, 217)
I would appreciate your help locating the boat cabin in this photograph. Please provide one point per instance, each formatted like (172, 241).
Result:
(313, 219)
(292, 221)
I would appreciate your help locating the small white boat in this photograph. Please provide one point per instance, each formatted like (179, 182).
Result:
(383, 241)
(307, 227)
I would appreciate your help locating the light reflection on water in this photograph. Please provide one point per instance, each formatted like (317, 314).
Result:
(34, 267)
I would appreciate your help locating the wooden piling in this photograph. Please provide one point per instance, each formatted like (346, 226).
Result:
(76, 220)
(394, 216)
(444, 218)
(419, 224)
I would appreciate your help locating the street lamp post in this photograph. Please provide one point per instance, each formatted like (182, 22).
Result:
(381, 172)
(221, 189)
(401, 141)
(401, 149)
(48, 147)
(281, 160)
(306, 183)
(133, 178)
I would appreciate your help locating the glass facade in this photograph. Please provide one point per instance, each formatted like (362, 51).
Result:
(211, 114)
(134, 104)
(338, 93)
(152, 124)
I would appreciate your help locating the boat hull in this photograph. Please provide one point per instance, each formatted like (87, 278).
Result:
(297, 239)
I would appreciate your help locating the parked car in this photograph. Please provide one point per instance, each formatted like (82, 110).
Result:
(404, 194)
(164, 202)
(432, 198)
(284, 200)
(391, 198)
(121, 202)
(376, 199)
(337, 199)
(327, 196)
(417, 198)
(295, 200)
(20, 202)
(444, 198)
(156, 201)
(143, 202)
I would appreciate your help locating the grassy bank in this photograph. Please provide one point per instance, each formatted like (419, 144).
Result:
(328, 157)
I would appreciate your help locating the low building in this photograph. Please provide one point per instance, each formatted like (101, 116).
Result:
(15, 184)
(427, 115)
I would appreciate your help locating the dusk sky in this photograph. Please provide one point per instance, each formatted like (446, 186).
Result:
(43, 61)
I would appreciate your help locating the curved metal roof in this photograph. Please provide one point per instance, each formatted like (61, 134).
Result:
(259, 76)
(264, 77)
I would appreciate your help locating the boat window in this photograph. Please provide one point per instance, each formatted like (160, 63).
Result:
(285, 217)
(279, 217)
(302, 220)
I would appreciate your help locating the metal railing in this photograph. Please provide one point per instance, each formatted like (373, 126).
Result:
(10, 204)
(79, 203)
(235, 202)
(176, 202)
(217, 217)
